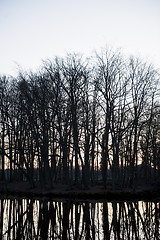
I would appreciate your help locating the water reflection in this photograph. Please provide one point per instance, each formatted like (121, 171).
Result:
(46, 219)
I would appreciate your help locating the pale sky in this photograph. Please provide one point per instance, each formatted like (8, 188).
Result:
(35, 30)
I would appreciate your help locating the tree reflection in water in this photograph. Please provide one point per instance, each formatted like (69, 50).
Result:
(46, 219)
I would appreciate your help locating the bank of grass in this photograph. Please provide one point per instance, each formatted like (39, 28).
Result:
(22, 189)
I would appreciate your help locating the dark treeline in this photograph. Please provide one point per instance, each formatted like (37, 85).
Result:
(81, 122)
(33, 219)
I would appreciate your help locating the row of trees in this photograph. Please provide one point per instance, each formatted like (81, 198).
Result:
(78, 121)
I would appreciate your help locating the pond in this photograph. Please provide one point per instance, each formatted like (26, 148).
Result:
(67, 219)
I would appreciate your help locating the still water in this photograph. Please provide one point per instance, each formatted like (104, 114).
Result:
(55, 219)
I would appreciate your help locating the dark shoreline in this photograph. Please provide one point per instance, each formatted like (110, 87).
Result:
(93, 193)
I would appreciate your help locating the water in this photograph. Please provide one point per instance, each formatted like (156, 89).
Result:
(53, 219)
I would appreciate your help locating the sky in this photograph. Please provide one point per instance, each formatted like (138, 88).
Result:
(35, 30)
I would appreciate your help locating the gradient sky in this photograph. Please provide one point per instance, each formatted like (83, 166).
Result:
(35, 30)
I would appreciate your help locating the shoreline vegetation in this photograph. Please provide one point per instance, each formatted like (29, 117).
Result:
(81, 128)
(61, 191)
